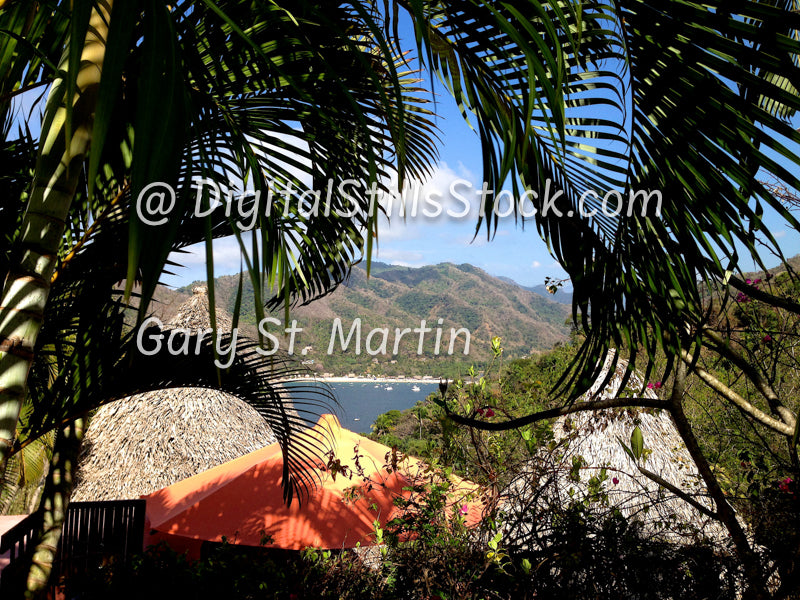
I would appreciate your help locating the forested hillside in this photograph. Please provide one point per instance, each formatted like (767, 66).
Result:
(463, 296)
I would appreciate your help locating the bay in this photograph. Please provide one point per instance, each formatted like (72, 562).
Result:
(362, 402)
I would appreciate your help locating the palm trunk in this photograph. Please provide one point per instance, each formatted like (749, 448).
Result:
(55, 499)
(25, 292)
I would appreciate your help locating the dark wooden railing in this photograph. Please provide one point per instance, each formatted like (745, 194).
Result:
(19, 542)
(93, 533)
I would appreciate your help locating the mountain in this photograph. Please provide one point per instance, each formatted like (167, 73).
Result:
(562, 296)
(464, 297)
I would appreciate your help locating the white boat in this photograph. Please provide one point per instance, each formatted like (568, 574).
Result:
(356, 419)
(389, 388)
(416, 388)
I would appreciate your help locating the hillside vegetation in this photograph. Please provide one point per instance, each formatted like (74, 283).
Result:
(463, 296)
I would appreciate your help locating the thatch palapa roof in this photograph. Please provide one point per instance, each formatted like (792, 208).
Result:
(586, 442)
(146, 442)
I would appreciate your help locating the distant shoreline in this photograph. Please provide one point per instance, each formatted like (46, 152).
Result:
(414, 380)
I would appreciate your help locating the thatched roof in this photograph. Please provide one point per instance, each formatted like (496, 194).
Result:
(143, 443)
(194, 314)
(592, 438)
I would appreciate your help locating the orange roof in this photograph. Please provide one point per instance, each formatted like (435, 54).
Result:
(242, 499)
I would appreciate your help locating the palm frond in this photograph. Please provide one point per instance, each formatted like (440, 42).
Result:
(685, 98)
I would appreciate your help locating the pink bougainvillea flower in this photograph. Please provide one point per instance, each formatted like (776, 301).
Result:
(657, 385)
(464, 509)
(479, 411)
(650, 386)
(767, 338)
(747, 281)
(489, 412)
(614, 480)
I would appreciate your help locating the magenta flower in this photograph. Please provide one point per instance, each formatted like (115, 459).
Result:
(767, 338)
(489, 412)
(479, 412)
(740, 297)
(657, 385)
(614, 480)
(650, 386)
(464, 509)
(747, 281)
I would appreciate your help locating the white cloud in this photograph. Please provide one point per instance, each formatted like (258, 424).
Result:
(280, 155)
(431, 202)
(536, 264)
(227, 255)
(397, 230)
(406, 258)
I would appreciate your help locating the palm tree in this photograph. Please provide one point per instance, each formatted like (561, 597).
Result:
(226, 112)
(691, 99)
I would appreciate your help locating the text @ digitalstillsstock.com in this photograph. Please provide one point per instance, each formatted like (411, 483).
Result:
(157, 201)
(376, 341)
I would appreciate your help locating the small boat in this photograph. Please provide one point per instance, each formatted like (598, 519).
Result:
(356, 419)
(389, 388)
(416, 388)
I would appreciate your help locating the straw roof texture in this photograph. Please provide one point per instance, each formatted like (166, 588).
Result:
(592, 438)
(143, 443)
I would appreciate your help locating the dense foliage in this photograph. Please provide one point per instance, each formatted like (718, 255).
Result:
(427, 553)
(756, 468)
(691, 99)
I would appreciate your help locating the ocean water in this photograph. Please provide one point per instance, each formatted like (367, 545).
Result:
(361, 403)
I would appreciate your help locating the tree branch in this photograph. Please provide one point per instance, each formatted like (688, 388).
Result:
(761, 384)
(742, 404)
(678, 492)
(758, 294)
(725, 512)
(552, 413)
